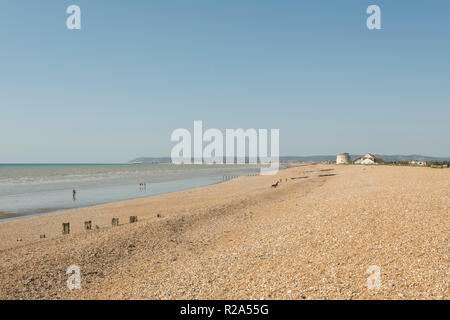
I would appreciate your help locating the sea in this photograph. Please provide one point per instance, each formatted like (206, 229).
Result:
(35, 189)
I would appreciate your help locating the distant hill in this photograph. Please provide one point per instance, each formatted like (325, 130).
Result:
(319, 158)
(390, 158)
(151, 160)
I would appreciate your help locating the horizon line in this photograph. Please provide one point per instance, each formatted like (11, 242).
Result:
(168, 157)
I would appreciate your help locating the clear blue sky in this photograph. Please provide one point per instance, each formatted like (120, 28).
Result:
(137, 70)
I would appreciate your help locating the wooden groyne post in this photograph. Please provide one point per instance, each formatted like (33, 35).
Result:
(228, 177)
(115, 222)
(133, 219)
(66, 228)
(88, 225)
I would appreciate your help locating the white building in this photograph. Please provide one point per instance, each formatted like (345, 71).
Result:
(417, 163)
(368, 159)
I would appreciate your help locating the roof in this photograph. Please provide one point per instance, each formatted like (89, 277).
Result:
(371, 157)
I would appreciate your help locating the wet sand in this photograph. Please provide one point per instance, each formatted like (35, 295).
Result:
(4, 215)
(313, 237)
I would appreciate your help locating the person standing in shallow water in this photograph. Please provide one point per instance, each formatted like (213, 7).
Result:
(74, 194)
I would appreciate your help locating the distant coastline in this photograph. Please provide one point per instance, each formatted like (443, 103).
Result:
(313, 158)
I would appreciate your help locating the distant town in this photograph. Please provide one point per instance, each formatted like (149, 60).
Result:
(371, 159)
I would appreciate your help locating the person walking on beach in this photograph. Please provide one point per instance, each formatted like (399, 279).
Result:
(74, 194)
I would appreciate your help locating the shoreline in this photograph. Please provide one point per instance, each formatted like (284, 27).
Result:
(45, 219)
(54, 219)
(10, 216)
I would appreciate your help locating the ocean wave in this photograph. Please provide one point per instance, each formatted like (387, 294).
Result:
(61, 175)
